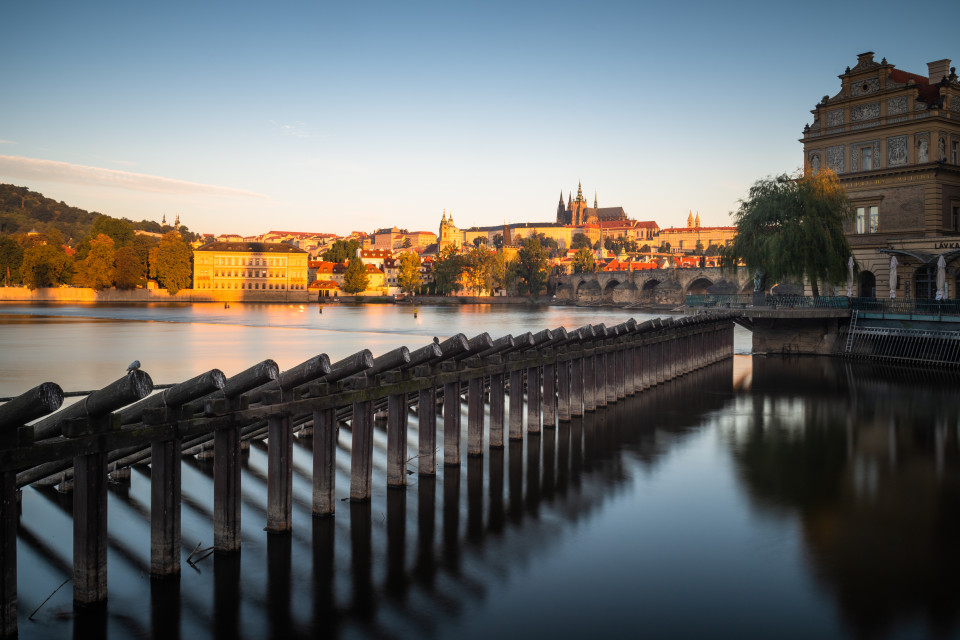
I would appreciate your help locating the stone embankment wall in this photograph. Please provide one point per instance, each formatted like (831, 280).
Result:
(80, 294)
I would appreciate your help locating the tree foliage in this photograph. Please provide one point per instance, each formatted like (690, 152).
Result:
(584, 261)
(170, 263)
(579, 241)
(129, 272)
(498, 241)
(478, 269)
(11, 257)
(341, 250)
(531, 267)
(46, 265)
(409, 273)
(791, 229)
(448, 270)
(96, 270)
(355, 278)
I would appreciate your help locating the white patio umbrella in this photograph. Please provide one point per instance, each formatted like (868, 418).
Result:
(893, 277)
(941, 278)
(850, 277)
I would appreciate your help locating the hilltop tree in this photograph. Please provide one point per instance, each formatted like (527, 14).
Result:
(97, 269)
(531, 267)
(45, 265)
(584, 261)
(355, 278)
(498, 241)
(409, 273)
(120, 230)
(170, 263)
(580, 241)
(791, 229)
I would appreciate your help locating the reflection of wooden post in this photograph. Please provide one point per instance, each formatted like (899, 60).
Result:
(324, 461)
(496, 410)
(89, 518)
(427, 430)
(549, 395)
(8, 554)
(475, 416)
(164, 500)
(397, 440)
(533, 399)
(361, 454)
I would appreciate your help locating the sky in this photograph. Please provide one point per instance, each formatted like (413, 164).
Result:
(245, 117)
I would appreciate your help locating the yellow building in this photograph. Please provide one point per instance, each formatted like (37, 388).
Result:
(893, 138)
(256, 266)
(686, 239)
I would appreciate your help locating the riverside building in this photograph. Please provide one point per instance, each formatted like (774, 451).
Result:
(256, 266)
(893, 139)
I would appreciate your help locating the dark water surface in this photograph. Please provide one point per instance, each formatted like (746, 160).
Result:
(757, 498)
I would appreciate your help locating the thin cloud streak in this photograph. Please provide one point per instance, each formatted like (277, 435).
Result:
(65, 172)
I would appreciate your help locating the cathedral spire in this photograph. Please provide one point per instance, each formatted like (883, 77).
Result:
(579, 192)
(595, 199)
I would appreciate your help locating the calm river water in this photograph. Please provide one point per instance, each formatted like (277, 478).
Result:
(757, 498)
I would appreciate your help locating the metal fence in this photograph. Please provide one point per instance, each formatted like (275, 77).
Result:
(906, 307)
(876, 307)
(941, 348)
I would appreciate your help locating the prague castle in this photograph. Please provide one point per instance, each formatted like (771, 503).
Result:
(577, 212)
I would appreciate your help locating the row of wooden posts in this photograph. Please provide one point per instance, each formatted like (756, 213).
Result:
(564, 373)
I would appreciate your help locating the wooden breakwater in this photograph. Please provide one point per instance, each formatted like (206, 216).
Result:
(565, 374)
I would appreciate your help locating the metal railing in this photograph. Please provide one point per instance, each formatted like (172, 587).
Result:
(719, 300)
(939, 348)
(906, 307)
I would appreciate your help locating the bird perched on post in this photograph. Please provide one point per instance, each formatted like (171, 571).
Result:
(133, 367)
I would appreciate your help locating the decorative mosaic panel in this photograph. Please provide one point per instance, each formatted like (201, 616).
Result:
(897, 154)
(955, 104)
(865, 125)
(919, 105)
(896, 106)
(864, 87)
(835, 158)
(835, 118)
(863, 112)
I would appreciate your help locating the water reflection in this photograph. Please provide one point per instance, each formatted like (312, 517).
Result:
(867, 458)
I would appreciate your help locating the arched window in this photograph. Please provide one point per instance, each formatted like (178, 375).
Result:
(868, 285)
(925, 282)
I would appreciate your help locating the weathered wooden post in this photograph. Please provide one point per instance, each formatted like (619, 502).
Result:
(451, 416)
(563, 384)
(533, 398)
(496, 406)
(279, 466)
(475, 415)
(324, 456)
(164, 497)
(516, 399)
(39, 401)
(600, 374)
(361, 448)
(426, 425)
(549, 400)
(614, 360)
(576, 381)
(396, 434)
(589, 379)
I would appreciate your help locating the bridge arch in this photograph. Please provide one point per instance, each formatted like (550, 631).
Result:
(607, 295)
(700, 285)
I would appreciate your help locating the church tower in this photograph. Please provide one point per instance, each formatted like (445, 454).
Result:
(690, 220)
(696, 221)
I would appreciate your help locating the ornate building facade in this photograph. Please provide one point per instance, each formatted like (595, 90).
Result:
(893, 138)
(251, 266)
(577, 212)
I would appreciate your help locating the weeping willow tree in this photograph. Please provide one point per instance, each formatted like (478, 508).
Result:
(792, 229)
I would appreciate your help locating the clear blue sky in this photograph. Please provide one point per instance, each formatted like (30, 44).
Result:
(333, 116)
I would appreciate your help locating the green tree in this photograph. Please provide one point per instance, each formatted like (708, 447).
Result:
(448, 270)
(498, 241)
(645, 249)
(580, 241)
(11, 257)
(665, 247)
(129, 272)
(341, 250)
(406, 242)
(584, 261)
(792, 229)
(120, 230)
(478, 268)
(97, 269)
(170, 263)
(45, 265)
(409, 273)
(355, 278)
(531, 267)
(142, 245)
(479, 240)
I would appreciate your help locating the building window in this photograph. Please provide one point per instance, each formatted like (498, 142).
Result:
(955, 217)
(866, 158)
(954, 152)
(868, 219)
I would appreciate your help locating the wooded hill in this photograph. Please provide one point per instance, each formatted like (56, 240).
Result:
(23, 211)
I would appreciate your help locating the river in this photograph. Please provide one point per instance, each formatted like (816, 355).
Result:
(756, 498)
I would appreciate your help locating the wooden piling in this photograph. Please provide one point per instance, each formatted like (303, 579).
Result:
(589, 382)
(475, 416)
(164, 501)
(496, 410)
(576, 384)
(361, 452)
(600, 377)
(226, 490)
(451, 423)
(516, 404)
(324, 461)
(279, 467)
(549, 400)
(533, 399)
(427, 425)
(8, 554)
(563, 388)
(397, 440)
(90, 529)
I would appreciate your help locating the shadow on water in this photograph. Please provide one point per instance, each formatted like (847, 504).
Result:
(867, 457)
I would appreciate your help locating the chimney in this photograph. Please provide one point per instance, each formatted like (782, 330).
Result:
(938, 69)
(865, 57)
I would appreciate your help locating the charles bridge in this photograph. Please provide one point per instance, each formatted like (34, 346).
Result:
(651, 287)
